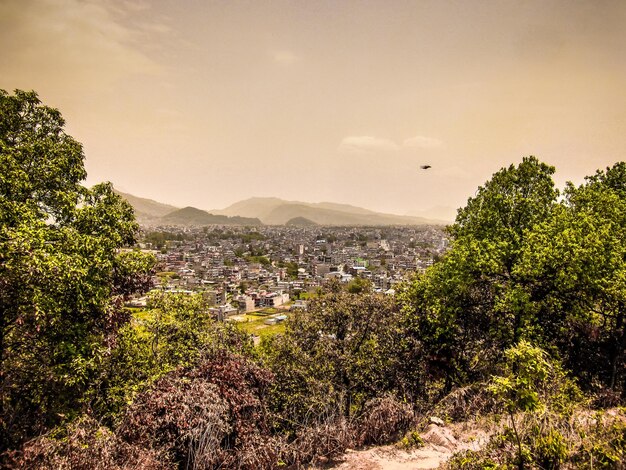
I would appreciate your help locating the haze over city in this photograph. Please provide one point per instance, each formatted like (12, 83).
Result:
(206, 103)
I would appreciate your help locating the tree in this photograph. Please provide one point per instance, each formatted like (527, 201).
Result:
(336, 356)
(574, 267)
(507, 207)
(471, 306)
(175, 331)
(62, 274)
(522, 266)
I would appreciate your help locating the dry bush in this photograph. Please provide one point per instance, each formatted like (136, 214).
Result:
(178, 416)
(465, 403)
(206, 417)
(258, 452)
(329, 434)
(383, 420)
(204, 449)
(244, 387)
(85, 445)
(327, 439)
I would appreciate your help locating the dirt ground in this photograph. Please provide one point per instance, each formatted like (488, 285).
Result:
(440, 442)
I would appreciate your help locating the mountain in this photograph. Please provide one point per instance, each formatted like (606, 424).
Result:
(193, 216)
(261, 207)
(274, 211)
(271, 211)
(150, 212)
(147, 211)
(300, 222)
(254, 207)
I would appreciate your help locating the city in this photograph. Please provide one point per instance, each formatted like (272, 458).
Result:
(247, 269)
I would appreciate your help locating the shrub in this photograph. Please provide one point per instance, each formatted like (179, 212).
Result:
(383, 420)
(209, 416)
(85, 445)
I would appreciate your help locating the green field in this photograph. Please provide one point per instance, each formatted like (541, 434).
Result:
(255, 325)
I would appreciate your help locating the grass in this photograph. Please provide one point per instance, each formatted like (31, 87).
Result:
(266, 311)
(255, 325)
(252, 323)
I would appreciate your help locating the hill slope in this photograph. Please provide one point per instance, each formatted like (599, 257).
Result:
(275, 211)
(300, 222)
(147, 210)
(269, 210)
(193, 216)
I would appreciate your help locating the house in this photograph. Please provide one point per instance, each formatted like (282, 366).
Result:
(223, 311)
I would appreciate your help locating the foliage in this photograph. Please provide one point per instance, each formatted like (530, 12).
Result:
(159, 239)
(359, 285)
(524, 266)
(470, 306)
(412, 440)
(261, 259)
(85, 445)
(62, 274)
(177, 331)
(535, 385)
(581, 440)
(292, 270)
(202, 416)
(337, 355)
(575, 270)
(466, 403)
(531, 381)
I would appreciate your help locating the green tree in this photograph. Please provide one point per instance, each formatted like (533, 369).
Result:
(62, 274)
(175, 332)
(522, 266)
(574, 267)
(471, 305)
(335, 356)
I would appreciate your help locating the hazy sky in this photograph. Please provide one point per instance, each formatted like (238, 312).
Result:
(204, 103)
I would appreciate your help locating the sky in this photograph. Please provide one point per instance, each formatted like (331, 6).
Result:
(204, 103)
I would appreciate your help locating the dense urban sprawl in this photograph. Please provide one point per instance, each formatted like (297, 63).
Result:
(242, 269)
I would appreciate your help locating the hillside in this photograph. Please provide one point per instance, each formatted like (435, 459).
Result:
(275, 211)
(193, 216)
(437, 212)
(253, 207)
(271, 211)
(150, 212)
(300, 222)
(147, 210)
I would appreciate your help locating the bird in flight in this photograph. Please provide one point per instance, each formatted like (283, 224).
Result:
(425, 167)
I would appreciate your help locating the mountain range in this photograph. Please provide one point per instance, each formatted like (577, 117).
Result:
(268, 211)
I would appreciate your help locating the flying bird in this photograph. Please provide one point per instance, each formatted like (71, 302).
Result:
(425, 167)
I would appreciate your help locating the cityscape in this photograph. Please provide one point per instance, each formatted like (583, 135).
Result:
(289, 235)
(245, 269)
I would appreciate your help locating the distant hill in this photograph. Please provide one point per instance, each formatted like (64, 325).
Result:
(146, 210)
(254, 207)
(300, 222)
(271, 211)
(274, 211)
(193, 216)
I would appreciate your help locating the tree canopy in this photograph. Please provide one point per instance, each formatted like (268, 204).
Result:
(524, 266)
(62, 274)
